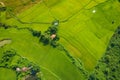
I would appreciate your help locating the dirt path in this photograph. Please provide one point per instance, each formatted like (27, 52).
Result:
(1, 3)
(4, 42)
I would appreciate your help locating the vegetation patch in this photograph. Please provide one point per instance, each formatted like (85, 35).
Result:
(50, 36)
(108, 67)
(23, 67)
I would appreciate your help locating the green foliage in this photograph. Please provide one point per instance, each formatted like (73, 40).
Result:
(53, 43)
(46, 37)
(74, 19)
(119, 0)
(108, 67)
(92, 77)
(57, 38)
(2, 9)
(52, 30)
(36, 33)
(4, 26)
(6, 58)
(9, 61)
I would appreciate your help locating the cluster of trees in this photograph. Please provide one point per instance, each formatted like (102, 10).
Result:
(36, 33)
(4, 26)
(46, 37)
(6, 58)
(11, 60)
(119, 0)
(2, 9)
(108, 67)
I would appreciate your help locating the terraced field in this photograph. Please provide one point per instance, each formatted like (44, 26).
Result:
(85, 28)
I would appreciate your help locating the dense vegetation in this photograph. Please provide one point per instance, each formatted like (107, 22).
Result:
(50, 35)
(2, 9)
(108, 67)
(22, 66)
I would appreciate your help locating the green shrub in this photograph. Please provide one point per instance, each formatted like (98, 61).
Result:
(36, 33)
(3, 9)
(44, 39)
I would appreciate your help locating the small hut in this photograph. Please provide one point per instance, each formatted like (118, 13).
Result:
(53, 36)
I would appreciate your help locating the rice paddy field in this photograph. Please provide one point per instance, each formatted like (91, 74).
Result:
(84, 27)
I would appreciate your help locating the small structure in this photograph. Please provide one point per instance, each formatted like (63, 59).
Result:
(24, 69)
(53, 36)
(94, 11)
(18, 69)
(55, 23)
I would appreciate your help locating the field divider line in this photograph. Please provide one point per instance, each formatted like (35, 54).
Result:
(22, 22)
(51, 72)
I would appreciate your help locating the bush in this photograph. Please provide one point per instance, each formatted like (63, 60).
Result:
(53, 43)
(36, 33)
(92, 77)
(52, 30)
(118, 0)
(7, 57)
(109, 63)
(3, 9)
(44, 39)
(56, 38)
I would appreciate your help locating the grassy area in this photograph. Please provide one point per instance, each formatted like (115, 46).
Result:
(6, 74)
(83, 33)
(89, 33)
(81, 37)
(45, 56)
